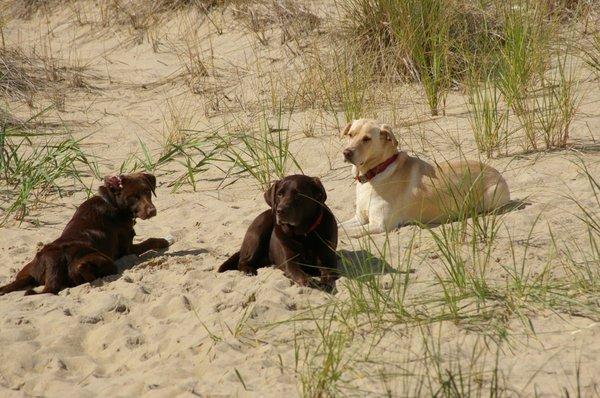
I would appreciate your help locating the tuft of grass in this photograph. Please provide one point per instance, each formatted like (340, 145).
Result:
(557, 106)
(22, 77)
(446, 374)
(502, 51)
(414, 35)
(294, 20)
(524, 51)
(581, 260)
(265, 155)
(425, 30)
(178, 120)
(326, 362)
(36, 165)
(526, 75)
(524, 57)
(487, 115)
(193, 57)
(591, 53)
(346, 83)
(423, 41)
(27, 8)
(194, 155)
(141, 15)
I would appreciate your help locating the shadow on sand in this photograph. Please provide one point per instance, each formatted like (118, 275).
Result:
(357, 264)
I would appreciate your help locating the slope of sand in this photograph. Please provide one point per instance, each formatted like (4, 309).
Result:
(169, 325)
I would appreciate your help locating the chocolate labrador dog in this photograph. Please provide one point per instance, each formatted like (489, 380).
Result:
(298, 234)
(100, 231)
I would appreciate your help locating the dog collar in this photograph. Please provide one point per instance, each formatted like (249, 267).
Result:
(315, 224)
(380, 168)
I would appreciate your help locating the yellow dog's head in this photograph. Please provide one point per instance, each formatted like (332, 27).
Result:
(369, 143)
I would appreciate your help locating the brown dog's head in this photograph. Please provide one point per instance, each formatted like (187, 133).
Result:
(296, 200)
(369, 143)
(132, 192)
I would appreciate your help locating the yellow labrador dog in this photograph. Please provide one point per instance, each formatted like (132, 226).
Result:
(394, 189)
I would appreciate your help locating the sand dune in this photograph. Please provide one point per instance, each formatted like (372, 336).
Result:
(169, 325)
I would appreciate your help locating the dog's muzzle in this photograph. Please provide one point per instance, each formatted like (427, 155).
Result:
(147, 213)
(282, 217)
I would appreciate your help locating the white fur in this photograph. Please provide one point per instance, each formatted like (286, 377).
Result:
(373, 213)
(411, 190)
(170, 239)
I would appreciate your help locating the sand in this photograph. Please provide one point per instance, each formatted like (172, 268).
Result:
(169, 325)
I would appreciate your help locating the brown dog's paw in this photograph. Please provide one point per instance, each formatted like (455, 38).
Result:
(328, 280)
(247, 270)
(302, 280)
(170, 239)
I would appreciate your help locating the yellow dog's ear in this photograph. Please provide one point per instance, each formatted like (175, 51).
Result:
(346, 129)
(386, 132)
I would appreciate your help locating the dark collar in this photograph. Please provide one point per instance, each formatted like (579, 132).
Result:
(315, 224)
(380, 168)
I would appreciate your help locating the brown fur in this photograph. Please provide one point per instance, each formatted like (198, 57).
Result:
(100, 231)
(282, 235)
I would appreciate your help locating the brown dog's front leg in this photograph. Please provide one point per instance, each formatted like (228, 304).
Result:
(284, 253)
(328, 263)
(293, 271)
(149, 244)
(328, 277)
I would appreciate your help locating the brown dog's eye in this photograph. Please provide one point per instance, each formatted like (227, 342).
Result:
(365, 139)
(279, 194)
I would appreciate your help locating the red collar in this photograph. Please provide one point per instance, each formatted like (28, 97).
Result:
(315, 224)
(380, 168)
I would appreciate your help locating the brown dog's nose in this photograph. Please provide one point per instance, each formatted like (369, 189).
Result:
(151, 211)
(348, 153)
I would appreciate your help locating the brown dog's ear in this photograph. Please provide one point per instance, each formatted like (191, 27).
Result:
(113, 182)
(151, 181)
(386, 132)
(270, 194)
(346, 129)
(321, 193)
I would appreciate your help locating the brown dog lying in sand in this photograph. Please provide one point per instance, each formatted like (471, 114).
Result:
(394, 189)
(100, 232)
(298, 234)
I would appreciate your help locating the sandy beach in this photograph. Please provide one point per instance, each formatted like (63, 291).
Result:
(169, 325)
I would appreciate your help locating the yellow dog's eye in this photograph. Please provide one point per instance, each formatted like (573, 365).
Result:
(365, 139)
